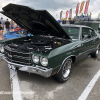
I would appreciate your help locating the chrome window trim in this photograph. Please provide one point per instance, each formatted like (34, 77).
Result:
(88, 38)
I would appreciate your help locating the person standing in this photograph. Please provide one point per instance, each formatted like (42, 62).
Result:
(2, 22)
(12, 25)
(7, 26)
(1, 35)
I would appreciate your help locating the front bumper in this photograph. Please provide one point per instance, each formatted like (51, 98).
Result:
(31, 69)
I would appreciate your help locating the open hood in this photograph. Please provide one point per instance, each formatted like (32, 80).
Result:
(35, 21)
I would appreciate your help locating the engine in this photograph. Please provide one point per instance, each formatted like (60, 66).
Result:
(38, 43)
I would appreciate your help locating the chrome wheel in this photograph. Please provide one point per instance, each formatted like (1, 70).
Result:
(97, 52)
(66, 69)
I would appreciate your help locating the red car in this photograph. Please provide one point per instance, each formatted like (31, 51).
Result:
(17, 29)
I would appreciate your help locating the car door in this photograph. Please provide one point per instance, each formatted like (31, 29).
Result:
(94, 39)
(87, 41)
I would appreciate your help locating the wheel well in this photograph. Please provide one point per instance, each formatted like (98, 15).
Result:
(98, 47)
(73, 58)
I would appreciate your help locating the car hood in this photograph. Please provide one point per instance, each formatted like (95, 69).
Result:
(36, 21)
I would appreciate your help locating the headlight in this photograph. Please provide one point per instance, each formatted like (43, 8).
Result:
(2, 49)
(44, 61)
(35, 59)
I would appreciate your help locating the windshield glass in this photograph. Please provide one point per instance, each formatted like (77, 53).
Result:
(73, 32)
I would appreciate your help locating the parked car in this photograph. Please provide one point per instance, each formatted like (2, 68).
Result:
(17, 29)
(53, 50)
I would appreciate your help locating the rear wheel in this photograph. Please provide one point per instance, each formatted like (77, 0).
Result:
(95, 54)
(64, 73)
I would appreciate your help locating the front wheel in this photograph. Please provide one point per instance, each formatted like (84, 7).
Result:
(64, 73)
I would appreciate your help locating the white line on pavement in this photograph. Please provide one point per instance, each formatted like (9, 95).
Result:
(15, 85)
(88, 89)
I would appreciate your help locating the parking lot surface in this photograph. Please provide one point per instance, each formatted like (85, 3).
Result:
(48, 89)
(95, 93)
(5, 87)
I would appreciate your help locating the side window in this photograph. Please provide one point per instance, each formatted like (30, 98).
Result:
(92, 33)
(86, 33)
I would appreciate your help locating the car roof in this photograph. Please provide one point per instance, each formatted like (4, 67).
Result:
(72, 25)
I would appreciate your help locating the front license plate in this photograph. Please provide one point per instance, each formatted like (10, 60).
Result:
(11, 67)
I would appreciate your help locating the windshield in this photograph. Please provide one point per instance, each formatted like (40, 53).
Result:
(73, 32)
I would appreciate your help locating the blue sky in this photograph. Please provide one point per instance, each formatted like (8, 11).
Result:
(55, 6)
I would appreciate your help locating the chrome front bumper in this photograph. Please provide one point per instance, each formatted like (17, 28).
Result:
(31, 69)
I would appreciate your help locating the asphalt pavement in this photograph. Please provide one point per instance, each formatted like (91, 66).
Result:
(35, 87)
(5, 85)
(48, 89)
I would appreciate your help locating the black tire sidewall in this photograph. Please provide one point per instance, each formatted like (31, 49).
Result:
(94, 54)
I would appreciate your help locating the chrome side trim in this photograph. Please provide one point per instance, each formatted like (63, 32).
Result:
(86, 51)
(45, 72)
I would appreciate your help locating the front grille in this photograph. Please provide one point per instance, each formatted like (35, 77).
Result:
(16, 56)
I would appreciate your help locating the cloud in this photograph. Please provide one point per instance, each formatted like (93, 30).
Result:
(55, 6)
(94, 8)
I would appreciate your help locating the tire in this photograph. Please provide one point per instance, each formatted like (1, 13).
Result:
(64, 73)
(95, 54)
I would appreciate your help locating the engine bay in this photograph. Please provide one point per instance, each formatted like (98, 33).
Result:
(39, 43)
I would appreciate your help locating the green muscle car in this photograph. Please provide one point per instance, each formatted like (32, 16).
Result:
(53, 49)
